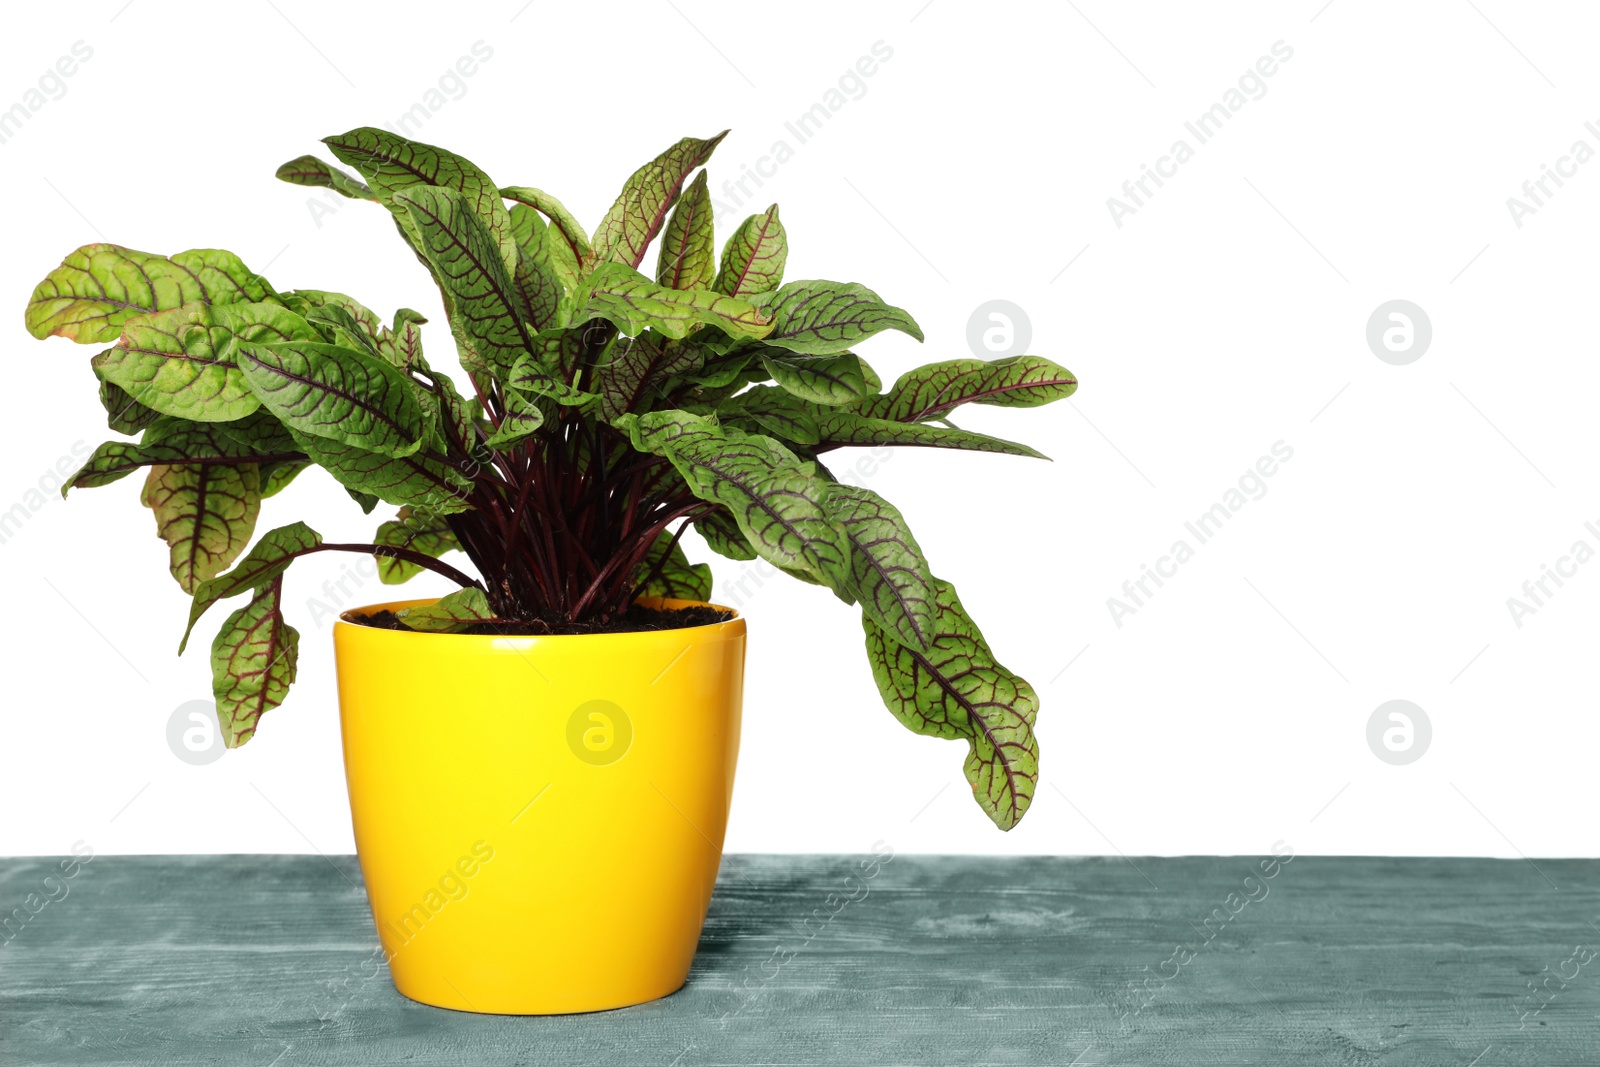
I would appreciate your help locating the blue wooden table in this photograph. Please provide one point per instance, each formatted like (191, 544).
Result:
(272, 961)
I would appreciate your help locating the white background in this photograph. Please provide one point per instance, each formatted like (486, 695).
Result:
(1227, 314)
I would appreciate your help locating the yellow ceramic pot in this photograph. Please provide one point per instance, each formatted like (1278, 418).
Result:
(539, 819)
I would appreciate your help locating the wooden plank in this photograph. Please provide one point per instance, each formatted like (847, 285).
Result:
(264, 960)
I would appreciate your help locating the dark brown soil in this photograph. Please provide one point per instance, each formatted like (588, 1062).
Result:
(636, 619)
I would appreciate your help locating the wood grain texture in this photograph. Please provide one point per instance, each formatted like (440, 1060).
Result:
(264, 960)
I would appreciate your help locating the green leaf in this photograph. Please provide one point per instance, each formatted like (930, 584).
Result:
(313, 304)
(571, 232)
(167, 361)
(263, 564)
(100, 287)
(956, 690)
(407, 317)
(264, 322)
(336, 393)
(462, 253)
(459, 416)
(259, 432)
(776, 412)
(528, 375)
(422, 480)
(545, 245)
(723, 536)
(336, 326)
(564, 352)
(341, 320)
(776, 500)
(622, 295)
(688, 256)
(670, 574)
(418, 530)
(730, 370)
(836, 428)
(539, 290)
(754, 257)
(276, 476)
(840, 379)
(449, 614)
(393, 164)
(194, 443)
(888, 572)
(819, 428)
(522, 420)
(253, 662)
(309, 170)
(932, 391)
(181, 362)
(124, 414)
(823, 318)
(636, 217)
(637, 367)
(403, 344)
(205, 513)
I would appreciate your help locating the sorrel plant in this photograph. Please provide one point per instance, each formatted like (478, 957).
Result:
(608, 411)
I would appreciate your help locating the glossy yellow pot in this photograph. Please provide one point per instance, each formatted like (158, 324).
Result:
(539, 819)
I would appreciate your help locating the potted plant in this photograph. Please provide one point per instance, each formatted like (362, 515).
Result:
(540, 764)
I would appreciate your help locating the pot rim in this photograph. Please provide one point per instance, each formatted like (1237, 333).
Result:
(735, 622)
